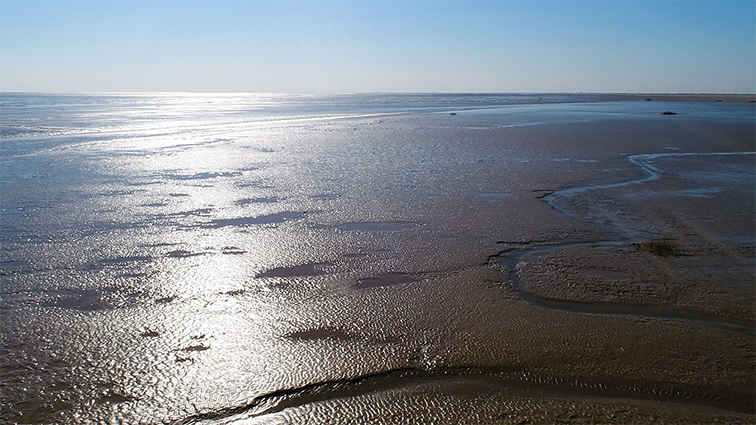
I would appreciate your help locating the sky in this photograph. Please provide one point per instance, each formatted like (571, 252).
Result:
(377, 46)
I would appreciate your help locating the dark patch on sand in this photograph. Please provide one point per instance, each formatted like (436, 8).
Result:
(390, 279)
(114, 398)
(659, 248)
(164, 300)
(198, 347)
(232, 250)
(323, 332)
(181, 359)
(183, 254)
(259, 220)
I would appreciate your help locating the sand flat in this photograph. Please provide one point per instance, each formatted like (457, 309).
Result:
(568, 258)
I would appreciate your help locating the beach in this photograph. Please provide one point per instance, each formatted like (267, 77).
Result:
(381, 259)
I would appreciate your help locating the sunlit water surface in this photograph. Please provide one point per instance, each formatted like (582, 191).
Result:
(169, 257)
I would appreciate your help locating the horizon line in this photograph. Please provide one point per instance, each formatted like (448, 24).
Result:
(375, 93)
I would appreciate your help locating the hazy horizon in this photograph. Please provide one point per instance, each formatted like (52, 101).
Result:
(323, 47)
(242, 93)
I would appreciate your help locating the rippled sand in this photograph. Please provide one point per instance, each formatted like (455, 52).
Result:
(564, 263)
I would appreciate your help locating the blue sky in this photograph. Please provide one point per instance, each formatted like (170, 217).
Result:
(370, 46)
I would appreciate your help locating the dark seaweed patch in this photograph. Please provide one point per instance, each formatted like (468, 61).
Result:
(659, 247)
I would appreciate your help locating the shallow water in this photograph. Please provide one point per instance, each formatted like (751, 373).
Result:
(268, 258)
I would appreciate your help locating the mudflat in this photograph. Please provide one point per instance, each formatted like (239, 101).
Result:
(449, 260)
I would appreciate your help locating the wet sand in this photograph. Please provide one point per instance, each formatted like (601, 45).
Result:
(555, 263)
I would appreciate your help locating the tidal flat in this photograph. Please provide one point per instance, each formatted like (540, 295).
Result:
(385, 259)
